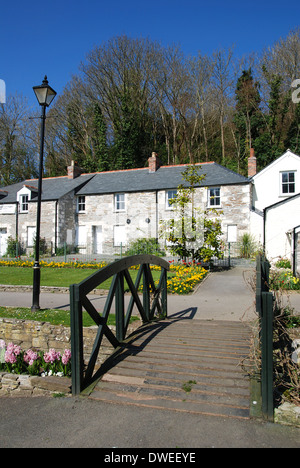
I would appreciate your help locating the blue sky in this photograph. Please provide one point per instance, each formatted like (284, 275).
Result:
(53, 37)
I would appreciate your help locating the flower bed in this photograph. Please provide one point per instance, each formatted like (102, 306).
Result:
(14, 360)
(73, 264)
(186, 278)
(182, 280)
(282, 278)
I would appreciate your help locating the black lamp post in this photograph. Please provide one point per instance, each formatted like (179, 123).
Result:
(45, 95)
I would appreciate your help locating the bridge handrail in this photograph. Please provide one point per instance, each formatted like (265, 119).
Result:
(78, 299)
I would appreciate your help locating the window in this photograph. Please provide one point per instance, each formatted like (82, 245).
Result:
(170, 195)
(81, 204)
(120, 202)
(24, 203)
(214, 197)
(287, 182)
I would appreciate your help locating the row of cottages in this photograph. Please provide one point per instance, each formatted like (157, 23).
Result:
(100, 212)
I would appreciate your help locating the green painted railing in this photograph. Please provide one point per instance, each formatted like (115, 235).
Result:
(154, 300)
(265, 310)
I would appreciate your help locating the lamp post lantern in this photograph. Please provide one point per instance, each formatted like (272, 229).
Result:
(45, 95)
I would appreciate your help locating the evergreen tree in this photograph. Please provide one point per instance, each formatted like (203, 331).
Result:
(98, 159)
(127, 137)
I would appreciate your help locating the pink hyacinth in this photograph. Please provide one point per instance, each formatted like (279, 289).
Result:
(10, 357)
(11, 353)
(66, 357)
(52, 356)
(13, 349)
(30, 357)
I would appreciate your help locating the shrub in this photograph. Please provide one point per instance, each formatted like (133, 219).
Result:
(145, 246)
(283, 263)
(14, 248)
(247, 246)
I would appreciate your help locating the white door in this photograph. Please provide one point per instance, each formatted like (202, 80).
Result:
(98, 239)
(3, 241)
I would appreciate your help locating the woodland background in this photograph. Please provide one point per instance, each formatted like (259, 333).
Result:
(133, 96)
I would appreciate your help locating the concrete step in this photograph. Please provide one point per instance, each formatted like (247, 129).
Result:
(186, 405)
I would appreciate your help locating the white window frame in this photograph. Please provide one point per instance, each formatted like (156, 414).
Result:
(24, 200)
(212, 197)
(288, 183)
(172, 192)
(119, 202)
(81, 204)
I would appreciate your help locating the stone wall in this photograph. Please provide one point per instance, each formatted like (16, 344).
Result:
(43, 336)
(27, 385)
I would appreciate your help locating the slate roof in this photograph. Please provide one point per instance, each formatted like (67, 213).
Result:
(166, 177)
(53, 188)
(132, 180)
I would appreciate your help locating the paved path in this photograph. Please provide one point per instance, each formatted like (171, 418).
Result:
(225, 295)
(222, 296)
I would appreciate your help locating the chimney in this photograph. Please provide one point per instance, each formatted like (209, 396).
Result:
(154, 163)
(73, 171)
(251, 164)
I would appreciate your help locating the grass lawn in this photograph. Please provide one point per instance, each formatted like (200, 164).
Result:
(55, 276)
(53, 316)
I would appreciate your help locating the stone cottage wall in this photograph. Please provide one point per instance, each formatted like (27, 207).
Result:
(145, 210)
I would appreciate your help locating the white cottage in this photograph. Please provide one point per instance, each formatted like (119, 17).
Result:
(275, 211)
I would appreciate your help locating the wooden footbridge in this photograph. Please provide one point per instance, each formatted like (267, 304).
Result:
(174, 363)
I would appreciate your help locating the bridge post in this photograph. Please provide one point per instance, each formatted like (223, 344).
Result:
(120, 307)
(76, 339)
(146, 290)
(164, 292)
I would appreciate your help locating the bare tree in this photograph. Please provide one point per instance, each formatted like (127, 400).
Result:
(222, 82)
(17, 153)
